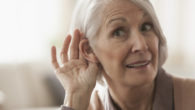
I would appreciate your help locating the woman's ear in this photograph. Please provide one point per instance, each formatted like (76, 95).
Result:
(87, 52)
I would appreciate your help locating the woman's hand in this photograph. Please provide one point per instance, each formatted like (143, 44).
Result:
(77, 75)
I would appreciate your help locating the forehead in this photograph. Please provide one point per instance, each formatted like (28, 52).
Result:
(122, 7)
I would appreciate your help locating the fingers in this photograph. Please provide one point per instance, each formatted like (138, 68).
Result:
(53, 58)
(74, 48)
(64, 51)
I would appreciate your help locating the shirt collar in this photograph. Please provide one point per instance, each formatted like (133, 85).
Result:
(163, 97)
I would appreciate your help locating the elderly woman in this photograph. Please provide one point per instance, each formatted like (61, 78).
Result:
(121, 43)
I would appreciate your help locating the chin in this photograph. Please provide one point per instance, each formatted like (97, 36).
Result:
(140, 78)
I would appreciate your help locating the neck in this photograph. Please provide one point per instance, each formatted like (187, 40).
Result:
(132, 98)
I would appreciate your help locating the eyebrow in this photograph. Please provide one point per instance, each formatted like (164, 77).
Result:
(116, 19)
(124, 20)
(145, 15)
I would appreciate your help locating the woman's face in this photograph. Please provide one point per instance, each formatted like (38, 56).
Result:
(127, 46)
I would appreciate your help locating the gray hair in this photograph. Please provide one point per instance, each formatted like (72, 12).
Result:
(87, 18)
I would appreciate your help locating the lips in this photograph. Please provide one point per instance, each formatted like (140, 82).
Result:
(138, 64)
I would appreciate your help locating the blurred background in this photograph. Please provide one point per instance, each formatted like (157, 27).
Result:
(28, 29)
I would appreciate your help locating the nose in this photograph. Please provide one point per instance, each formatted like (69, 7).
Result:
(139, 42)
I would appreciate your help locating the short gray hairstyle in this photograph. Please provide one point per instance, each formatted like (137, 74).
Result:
(87, 18)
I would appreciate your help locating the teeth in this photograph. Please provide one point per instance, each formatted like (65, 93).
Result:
(137, 65)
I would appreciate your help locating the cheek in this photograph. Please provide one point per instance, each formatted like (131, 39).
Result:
(153, 43)
(154, 48)
(110, 55)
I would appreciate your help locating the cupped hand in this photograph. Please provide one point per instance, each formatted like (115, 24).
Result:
(76, 74)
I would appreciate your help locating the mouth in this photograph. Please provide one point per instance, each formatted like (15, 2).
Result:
(139, 64)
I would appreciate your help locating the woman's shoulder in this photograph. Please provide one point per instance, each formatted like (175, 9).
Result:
(184, 93)
(184, 87)
(183, 83)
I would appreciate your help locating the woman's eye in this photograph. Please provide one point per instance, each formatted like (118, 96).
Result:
(119, 32)
(146, 27)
